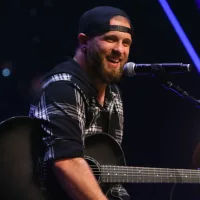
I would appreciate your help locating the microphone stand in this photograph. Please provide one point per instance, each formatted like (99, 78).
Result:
(171, 86)
(160, 73)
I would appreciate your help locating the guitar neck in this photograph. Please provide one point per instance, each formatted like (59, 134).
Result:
(123, 174)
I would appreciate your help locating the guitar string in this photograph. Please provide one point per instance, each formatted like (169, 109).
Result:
(150, 171)
(155, 174)
(149, 175)
(177, 178)
(145, 169)
(186, 175)
(136, 174)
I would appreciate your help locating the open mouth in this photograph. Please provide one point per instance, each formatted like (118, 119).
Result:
(113, 62)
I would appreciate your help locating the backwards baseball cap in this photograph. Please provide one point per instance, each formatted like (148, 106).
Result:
(96, 21)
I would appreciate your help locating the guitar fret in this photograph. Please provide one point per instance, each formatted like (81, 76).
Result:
(182, 175)
(199, 178)
(127, 174)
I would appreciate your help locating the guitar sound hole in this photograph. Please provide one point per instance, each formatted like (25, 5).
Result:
(95, 167)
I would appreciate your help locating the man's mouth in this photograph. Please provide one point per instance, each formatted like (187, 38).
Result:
(112, 60)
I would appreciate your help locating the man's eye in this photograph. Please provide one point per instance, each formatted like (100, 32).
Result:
(110, 40)
(126, 44)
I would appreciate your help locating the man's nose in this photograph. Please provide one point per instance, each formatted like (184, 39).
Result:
(119, 47)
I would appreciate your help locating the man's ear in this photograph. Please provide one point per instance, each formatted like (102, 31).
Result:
(82, 38)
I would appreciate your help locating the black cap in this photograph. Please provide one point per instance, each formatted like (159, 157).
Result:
(96, 21)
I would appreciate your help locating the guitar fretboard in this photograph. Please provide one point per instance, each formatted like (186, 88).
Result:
(123, 174)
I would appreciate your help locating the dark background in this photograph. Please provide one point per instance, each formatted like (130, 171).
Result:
(161, 128)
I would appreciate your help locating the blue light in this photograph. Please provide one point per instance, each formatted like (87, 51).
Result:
(188, 46)
(198, 3)
(6, 72)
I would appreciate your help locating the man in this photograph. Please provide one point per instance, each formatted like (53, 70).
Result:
(79, 97)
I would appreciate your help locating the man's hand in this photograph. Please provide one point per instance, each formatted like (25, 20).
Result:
(77, 179)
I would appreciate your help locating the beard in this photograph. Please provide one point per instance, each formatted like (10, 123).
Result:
(97, 68)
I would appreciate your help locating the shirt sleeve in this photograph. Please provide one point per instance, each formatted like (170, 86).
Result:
(63, 107)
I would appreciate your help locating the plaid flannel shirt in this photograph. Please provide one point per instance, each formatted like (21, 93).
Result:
(62, 104)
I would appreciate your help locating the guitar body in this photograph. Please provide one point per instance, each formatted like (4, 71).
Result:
(103, 149)
(19, 145)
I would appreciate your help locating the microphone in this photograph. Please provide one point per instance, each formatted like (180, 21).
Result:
(132, 69)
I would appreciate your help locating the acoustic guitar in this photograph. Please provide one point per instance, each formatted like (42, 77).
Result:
(107, 161)
(19, 144)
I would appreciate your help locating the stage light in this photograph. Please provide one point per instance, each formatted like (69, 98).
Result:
(180, 32)
(6, 72)
(198, 3)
